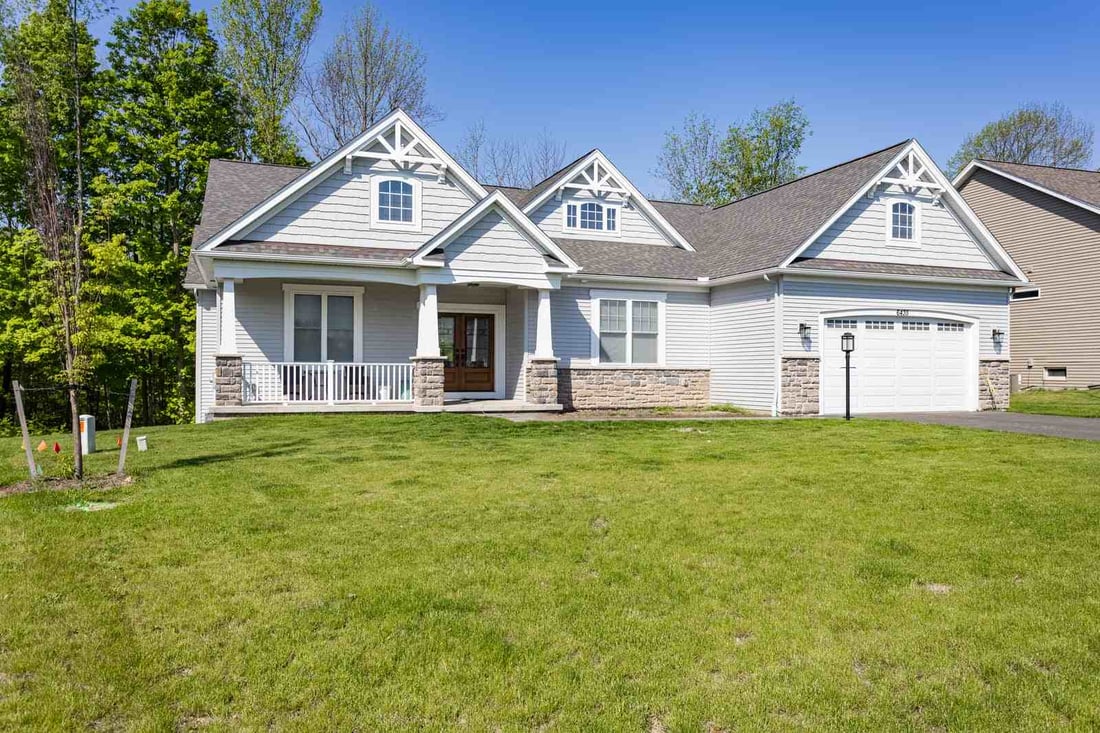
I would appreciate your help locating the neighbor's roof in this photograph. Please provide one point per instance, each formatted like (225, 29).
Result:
(1073, 183)
(756, 233)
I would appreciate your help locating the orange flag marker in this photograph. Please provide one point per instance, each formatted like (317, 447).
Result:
(42, 446)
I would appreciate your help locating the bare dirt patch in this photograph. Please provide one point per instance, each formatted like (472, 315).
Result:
(94, 483)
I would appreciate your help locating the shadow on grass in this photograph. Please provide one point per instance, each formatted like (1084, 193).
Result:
(270, 451)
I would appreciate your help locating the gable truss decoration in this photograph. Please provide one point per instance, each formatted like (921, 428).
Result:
(400, 146)
(596, 173)
(913, 176)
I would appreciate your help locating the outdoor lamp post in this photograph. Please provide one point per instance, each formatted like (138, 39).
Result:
(848, 345)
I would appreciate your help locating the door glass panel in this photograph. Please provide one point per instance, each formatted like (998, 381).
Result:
(307, 328)
(447, 340)
(477, 342)
(341, 328)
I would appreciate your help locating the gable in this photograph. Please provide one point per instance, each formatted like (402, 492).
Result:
(860, 234)
(493, 244)
(337, 209)
(634, 226)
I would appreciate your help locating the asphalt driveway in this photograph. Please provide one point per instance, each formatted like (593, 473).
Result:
(1085, 428)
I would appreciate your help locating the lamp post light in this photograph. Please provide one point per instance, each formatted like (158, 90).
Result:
(848, 345)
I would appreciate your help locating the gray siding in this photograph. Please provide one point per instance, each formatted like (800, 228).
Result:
(389, 323)
(805, 299)
(1057, 245)
(634, 225)
(514, 383)
(337, 211)
(686, 317)
(206, 346)
(259, 306)
(742, 345)
(493, 244)
(860, 234)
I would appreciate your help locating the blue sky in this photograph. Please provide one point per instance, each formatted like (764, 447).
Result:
(618, 75)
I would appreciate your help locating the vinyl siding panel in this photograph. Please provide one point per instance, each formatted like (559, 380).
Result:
(206, 346)
(389, 323)
(260, 320)
(493, 244)
(805, 299)
(742, 345)
(570, 310)
(1057, 245)
(337, 211)
(860, 234)
(634, 226)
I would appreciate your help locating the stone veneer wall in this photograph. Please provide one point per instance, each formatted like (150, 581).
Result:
(427, 382)
(228, 380)
(627, 387)
(541, 381)
(800, 381)
(995, 373)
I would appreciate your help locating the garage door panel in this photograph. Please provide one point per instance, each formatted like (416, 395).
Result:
(915, 364)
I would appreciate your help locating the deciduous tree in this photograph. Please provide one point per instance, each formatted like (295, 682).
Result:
(1037, 134)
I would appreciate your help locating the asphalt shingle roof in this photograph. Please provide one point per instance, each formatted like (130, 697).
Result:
(1072, 182)
(755, 233)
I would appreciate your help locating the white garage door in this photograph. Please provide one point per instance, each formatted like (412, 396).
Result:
(899, 365)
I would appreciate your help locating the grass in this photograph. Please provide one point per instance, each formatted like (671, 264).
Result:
(457, 572)
(1070, 402)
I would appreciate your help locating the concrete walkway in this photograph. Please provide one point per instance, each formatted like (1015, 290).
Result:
(1085, 428)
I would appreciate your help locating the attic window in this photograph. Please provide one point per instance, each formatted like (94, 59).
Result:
(903, 221)
(591, 217)
(396, 203)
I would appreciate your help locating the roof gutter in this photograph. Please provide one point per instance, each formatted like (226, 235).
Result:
(934, 279)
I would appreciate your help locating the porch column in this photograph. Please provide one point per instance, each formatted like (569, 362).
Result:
(428, 363)
(541, 378)
(228, 369)
(544, 343)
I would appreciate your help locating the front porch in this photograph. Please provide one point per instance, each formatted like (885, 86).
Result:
(302, 347)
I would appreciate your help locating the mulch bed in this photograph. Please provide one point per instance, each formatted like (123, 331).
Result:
(93, 483)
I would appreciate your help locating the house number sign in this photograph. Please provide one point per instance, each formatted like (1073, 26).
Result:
(903, 311)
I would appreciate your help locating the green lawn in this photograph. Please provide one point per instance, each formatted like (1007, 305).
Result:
(449, 572)
(1074, 403)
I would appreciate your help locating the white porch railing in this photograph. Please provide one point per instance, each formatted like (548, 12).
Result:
(326, 382)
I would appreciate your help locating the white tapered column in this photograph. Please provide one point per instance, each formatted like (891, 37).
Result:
(544, 341)
(427, 335)
(228, 342)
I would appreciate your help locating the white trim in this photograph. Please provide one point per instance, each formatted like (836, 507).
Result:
(1038, 294)
(499, 313)
(595, 296)
(417, 203)
(292, 289)
(890, 202)
(973, 343)
(632, 194)
(694, 286)
(777, 346)
(511, 213)
(605, 232)
(984, 237)
(336, 159)
(199, 407)
(968, 171)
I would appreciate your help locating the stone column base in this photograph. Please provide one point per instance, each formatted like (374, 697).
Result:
(800, 386)
(541, 381)
(993, 385)
(428, 382)
(228, 380)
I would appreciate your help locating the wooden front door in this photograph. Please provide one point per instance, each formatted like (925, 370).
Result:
(466, 343)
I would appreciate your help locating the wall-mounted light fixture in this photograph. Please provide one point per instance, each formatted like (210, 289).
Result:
(998, 336)
(804, 330)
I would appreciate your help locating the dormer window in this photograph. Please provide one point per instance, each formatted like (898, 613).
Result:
(903, 223)
(591, 217)
(396, 204)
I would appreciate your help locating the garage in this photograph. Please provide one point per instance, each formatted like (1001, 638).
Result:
(900, 364)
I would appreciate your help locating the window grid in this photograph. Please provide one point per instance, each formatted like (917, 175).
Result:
(840, 323)
(571, 216)
(612, 220)
(592, 217)
(915, 326)
(949, 327)
(880, 325)
(395, 202)
(629, 331)
(901, 220)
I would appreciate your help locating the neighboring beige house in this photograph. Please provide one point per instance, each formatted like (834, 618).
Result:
(1048, 219)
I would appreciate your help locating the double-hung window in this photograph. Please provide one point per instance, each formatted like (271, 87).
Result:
(323, 323)
(591, 217)
(629, 327)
